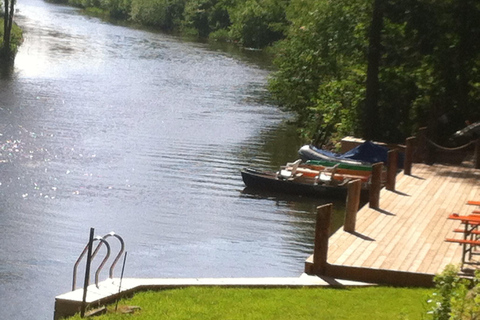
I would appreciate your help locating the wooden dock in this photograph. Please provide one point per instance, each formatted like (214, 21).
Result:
(403, 241)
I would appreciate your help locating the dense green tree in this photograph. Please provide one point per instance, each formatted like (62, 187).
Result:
(165, 14)
(321, 64)
(118, 9)
(431, 64)
(6, 49)
(258, 23)
(370, 109)
(206, 16)
(251, 23)
(427, 66)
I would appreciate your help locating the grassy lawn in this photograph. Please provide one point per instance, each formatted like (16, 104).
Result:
(309, 303)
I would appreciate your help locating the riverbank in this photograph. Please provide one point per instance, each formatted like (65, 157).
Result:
(111, 290)
(251, 25)
(274, 303)
(16, 37)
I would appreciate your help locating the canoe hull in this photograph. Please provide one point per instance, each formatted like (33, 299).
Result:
(269, 181)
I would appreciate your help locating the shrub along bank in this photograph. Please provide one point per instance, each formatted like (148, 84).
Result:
(16, 36)
(251, 23)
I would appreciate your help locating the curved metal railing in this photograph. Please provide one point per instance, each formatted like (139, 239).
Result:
(102, 240)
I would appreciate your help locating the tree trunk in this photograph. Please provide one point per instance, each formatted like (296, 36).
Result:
(7, 25)
(463, 48)
(5, 21)
(370, 114)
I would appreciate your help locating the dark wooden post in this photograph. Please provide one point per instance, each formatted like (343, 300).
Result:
(353, 202)
(87, 274)
(422, 145)
(477, 155)
(375, 185)
(407, 163)
(322, 233)
(392, 167)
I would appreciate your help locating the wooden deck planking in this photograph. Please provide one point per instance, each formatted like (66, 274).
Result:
(346, 238)
(381, 247)
(430, 247)
(437, 196)
(440, 250)
(402, 223)
(435, 247)
(474, 196)
(408, 232)
(398, 256)
(422, 236)
(423, 241)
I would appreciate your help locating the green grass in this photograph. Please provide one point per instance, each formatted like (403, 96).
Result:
(310, 303)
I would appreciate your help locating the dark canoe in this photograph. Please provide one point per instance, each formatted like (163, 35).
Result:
(269, 181)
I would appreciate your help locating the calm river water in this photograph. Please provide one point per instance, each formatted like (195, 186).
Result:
(143, 134)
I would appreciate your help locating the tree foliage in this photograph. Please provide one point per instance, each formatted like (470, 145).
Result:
(165, 14)
(11, 35)
(206, 16)
(428, 65)
(252, 23)
(321, 64)
(256, 23)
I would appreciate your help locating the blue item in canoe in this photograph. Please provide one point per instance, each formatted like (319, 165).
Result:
(366, 152)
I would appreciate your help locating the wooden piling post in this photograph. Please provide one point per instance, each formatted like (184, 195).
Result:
(322, 233)
(407, 164)
(353, 202)
(477, 155)
(392, 167)
(375, 185)
(421, 153)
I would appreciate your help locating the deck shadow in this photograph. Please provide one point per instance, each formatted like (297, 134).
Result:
(332, 282)
(388, 213)
(361, 236)
(415, 177)
(400, 193)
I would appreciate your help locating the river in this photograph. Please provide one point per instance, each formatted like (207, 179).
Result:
(143, 134)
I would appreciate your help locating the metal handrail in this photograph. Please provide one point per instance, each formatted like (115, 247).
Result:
(104, 259)
(101, 240)
(112, 267)
(122, 249)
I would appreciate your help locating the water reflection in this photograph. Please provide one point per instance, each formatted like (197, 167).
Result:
(305, 206)
(6, 68)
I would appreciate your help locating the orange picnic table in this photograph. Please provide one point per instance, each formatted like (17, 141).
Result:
(470, 236)
(474, 203)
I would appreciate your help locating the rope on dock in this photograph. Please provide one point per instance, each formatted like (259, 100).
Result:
(465, 146)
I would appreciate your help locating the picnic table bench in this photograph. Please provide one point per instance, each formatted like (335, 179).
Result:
(471, 236)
